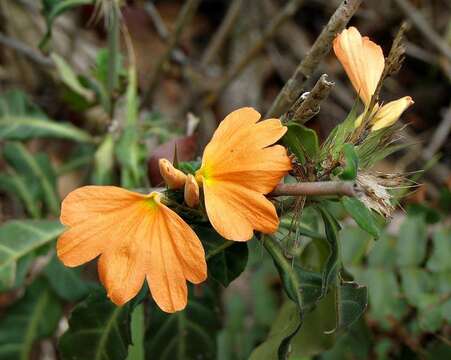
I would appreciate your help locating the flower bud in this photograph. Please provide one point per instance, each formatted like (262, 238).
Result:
(390, 112)
(191, 191)
(174, 178)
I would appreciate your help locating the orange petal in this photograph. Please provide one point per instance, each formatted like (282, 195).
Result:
(389, 113)
(362, 59)
(177, 254)
(238, 167)
(126, 229)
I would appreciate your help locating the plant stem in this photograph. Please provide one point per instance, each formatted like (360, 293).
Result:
(219, 249)
(113, 57)
(319, 188)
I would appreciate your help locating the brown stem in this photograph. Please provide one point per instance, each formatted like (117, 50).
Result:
(295, 86)
(319, 188)
(304, 109)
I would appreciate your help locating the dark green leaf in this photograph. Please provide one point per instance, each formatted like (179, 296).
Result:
(431, 215)
(352, 301)
(226, 259)
(187, 334)
(361, 214)
(351, 166)
(34, 317)
(19, 239)
(302, 142)
(441, 251)
(98, 330)
(354, 244)
(16, 185)
(66, 282)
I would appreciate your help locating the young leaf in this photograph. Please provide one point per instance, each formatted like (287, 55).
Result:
(226, 260)
(351, 167)
(98, 330)
(19, 239)
(69, 78)
(362, 216)
(302, 142)
(184, 334)
(34, 317)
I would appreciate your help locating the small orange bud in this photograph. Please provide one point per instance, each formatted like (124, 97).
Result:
(174, 178)
(191, 191)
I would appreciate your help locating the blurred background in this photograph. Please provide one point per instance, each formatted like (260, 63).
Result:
(195, 62)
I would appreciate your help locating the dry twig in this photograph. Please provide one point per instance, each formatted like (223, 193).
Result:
(295, 86)
(319, 188)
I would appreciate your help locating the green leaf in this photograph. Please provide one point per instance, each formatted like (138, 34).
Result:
(441, 251)
(353, 244)
(186, 334)
(226, 259)
(98, 330)
(415, 284)
(129, 153)
(16, 185)
(19, 239)
(52, 9)
(32, 318)
(136, 350)
(38, 169)
(104, 162)
(352, 301)
(302, 142)
(361, 214)
(69, 78)
(411, 245)
(66, 282)
(351, 166)
(14, 127)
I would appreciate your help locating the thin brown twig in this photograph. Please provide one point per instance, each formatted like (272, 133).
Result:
(219, 37)
(287, 11)
(424, 27)
(184, 17)
(439, 137)
(318, 188)
(27, 51)
(306, 108)
(295, 86)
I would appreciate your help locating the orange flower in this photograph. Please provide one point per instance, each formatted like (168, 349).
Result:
(363, 61)
(137, 238)
(238, 168)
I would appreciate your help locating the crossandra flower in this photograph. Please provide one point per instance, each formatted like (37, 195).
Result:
(138, 238)
(238, 168)
(363, 61)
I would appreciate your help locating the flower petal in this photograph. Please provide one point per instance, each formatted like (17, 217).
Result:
(390, 112)
(362, 59)
(235, 211)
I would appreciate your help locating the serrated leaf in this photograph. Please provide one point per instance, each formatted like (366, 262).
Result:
(351, 167)
(14, 127)
(21, 238)
(98, 330)
(34, 317)
(302, 142)
(226, 260)
(69, 78)
(187, 334)
(361, 214)
(38, 170)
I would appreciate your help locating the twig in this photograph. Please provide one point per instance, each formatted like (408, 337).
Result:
(221, 34)
(423, 26)
(26, 51)
(305, 108)
(439, 137)
(287, 11)
(158, 22)
(319, 188)
(295, 86)
(184, 17)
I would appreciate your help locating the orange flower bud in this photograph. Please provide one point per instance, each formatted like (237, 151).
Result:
(174, 178)
(388, 114)
(191, 191)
